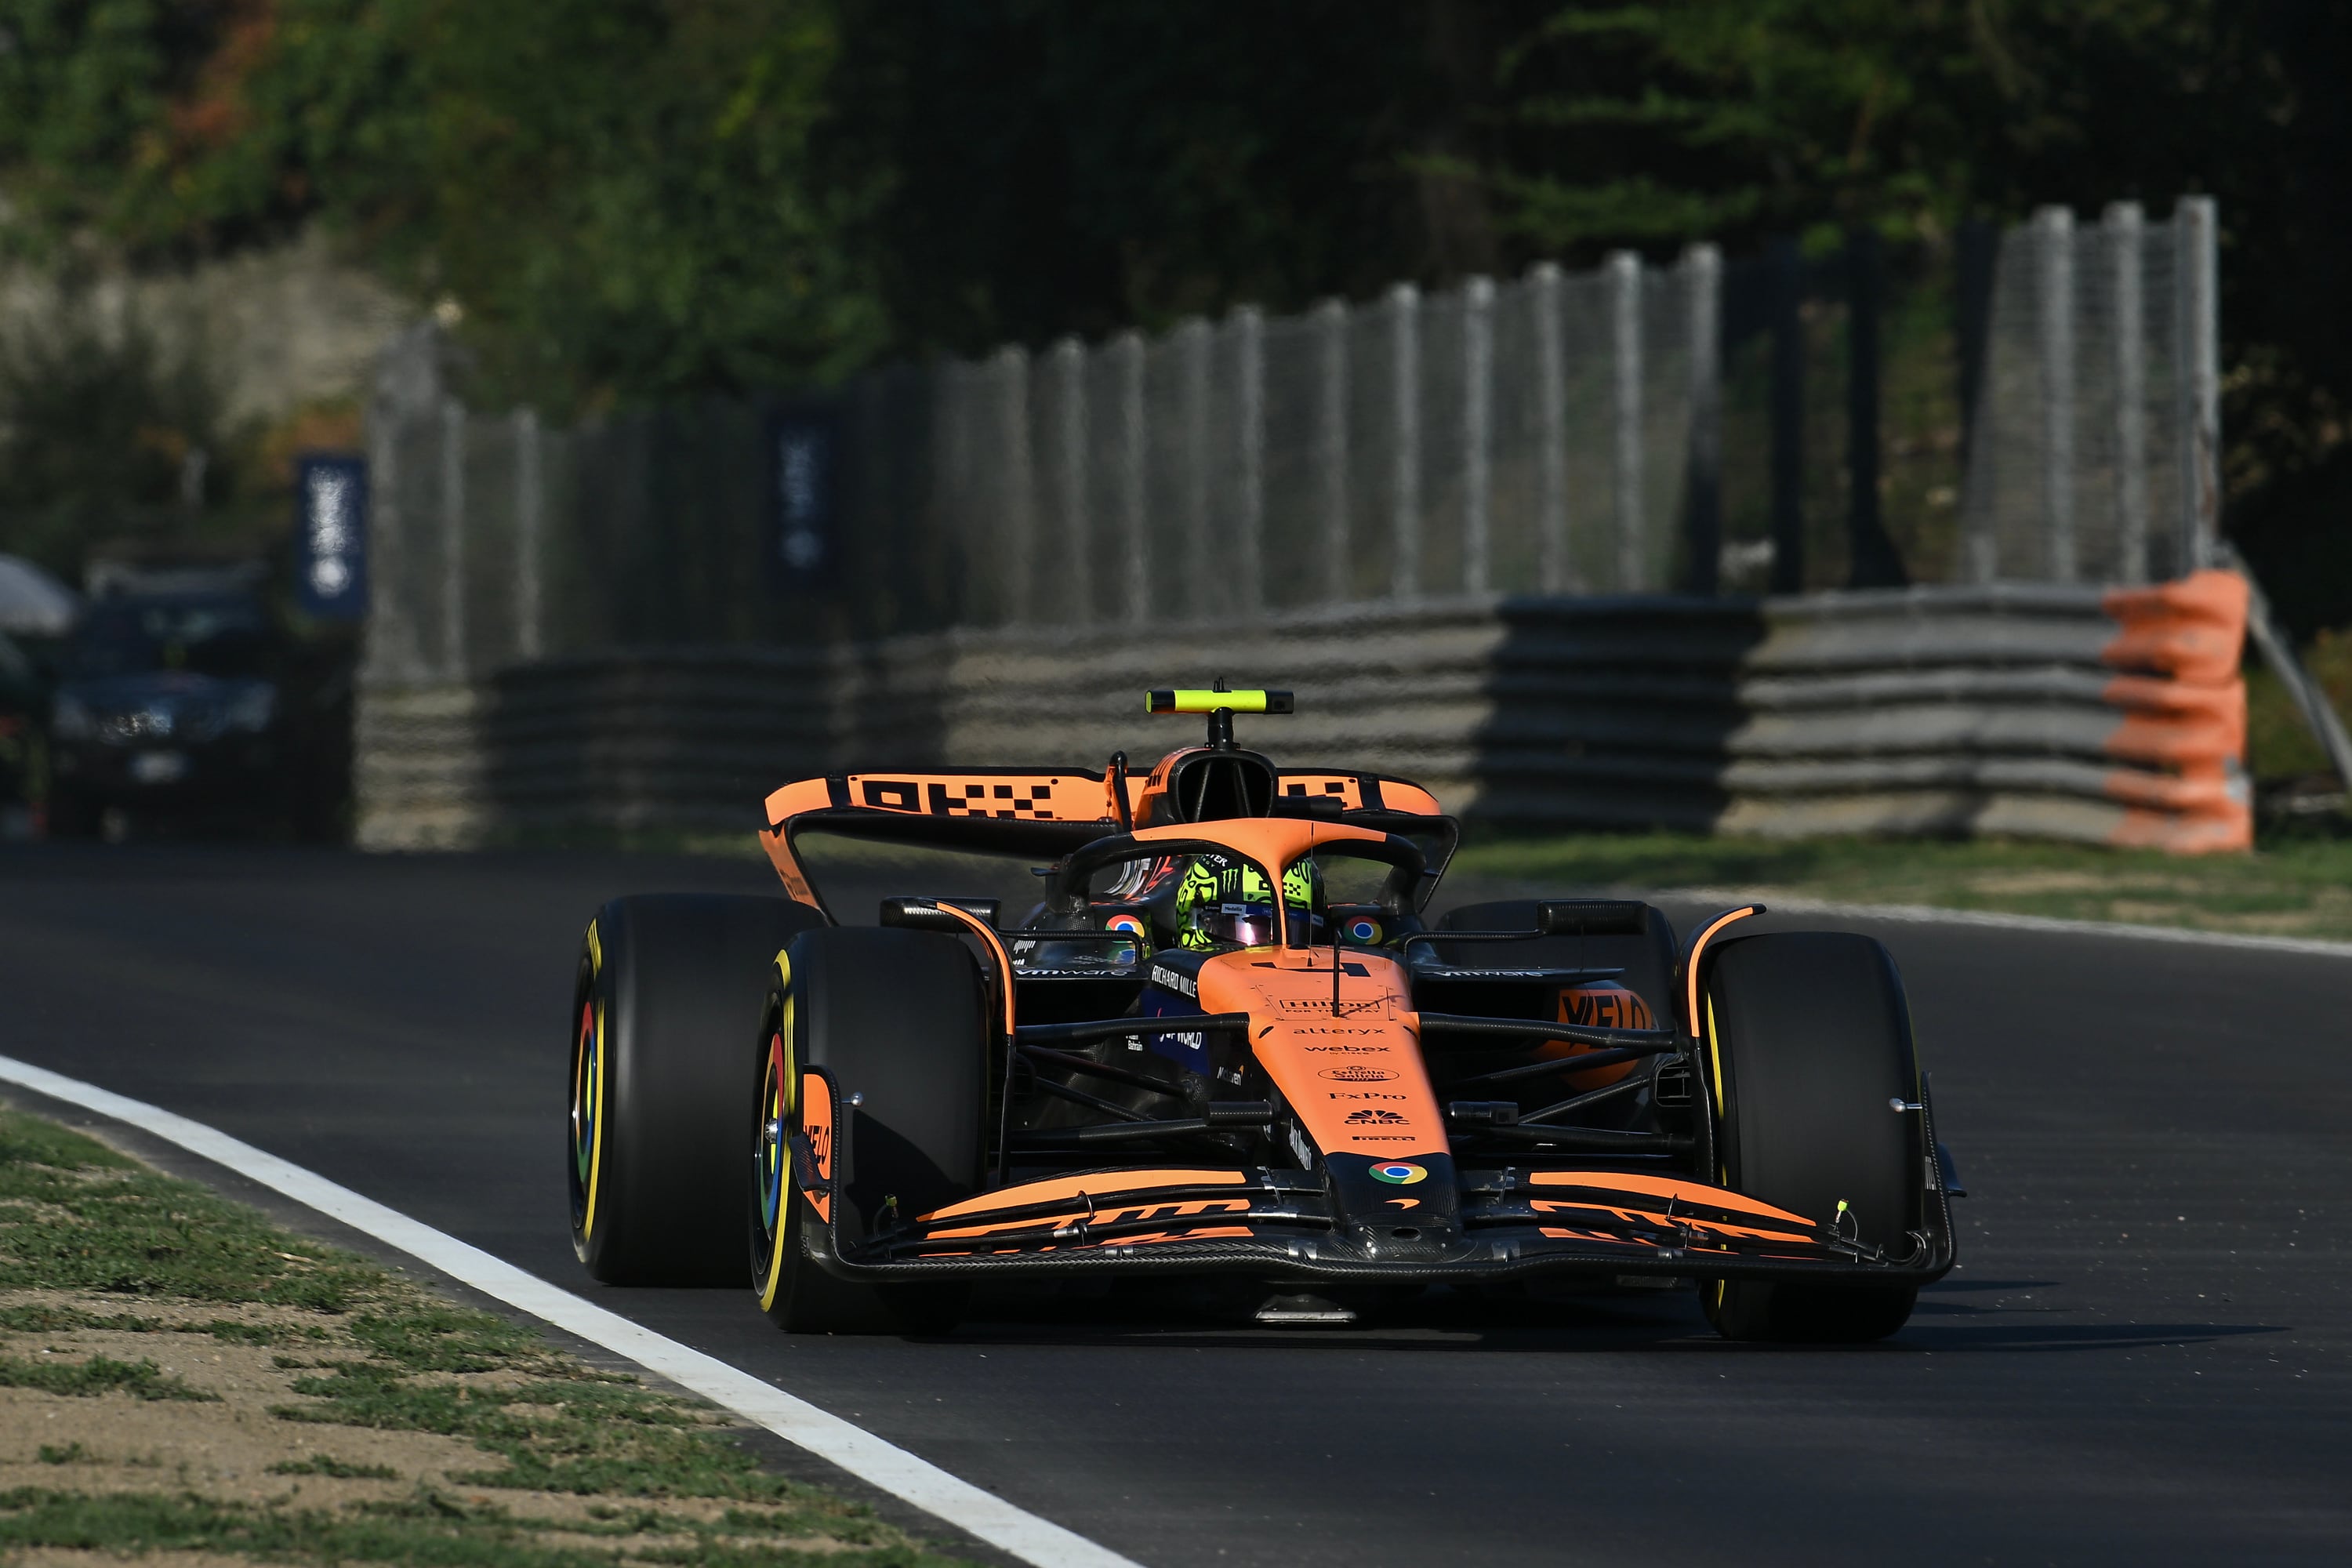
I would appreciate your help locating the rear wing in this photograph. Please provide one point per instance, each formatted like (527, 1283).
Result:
(1034, 812)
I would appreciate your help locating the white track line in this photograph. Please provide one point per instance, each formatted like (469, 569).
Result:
(855, 1449)
(1923, 914)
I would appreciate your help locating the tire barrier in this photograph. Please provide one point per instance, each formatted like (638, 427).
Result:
(2113, 716)
(2026, 710)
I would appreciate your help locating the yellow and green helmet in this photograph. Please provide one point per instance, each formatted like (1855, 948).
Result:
(1230, 904)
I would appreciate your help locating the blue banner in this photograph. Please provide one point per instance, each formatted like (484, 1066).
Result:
(804, 461)
(331, 491)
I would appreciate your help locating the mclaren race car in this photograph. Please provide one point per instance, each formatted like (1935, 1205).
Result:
(1224, 1049)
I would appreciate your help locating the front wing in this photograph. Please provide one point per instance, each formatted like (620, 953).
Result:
(1509, 1223)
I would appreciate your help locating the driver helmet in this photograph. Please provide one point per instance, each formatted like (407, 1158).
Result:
(1230, 904)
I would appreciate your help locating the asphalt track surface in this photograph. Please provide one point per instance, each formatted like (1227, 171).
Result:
(2146, 1353)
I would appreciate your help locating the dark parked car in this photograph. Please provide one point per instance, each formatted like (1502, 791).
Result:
(172, 706)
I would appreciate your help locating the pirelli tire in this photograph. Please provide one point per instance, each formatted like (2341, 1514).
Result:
(900, 1018)
(664, 1008)
(1811, 1058)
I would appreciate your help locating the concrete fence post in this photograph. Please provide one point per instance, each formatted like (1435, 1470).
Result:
(1331, 445)
(2054, 274)
(453, 540)
(2196, 271)
(1787, 281)
(1625, 271)
(1127, 358)
(1404, 398)
(1702, 280)
(1016, 536)
(1977, 247)
(1249, 411)
(1070, 476)
(391, 628)
(1193, 345)
(531, 637)
(529, 518)
(2124, 230)
(1477, 429)
(1557, 570)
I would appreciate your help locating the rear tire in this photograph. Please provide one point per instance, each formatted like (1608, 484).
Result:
(1811, 1038)
(662, 1013)
(899, 1017)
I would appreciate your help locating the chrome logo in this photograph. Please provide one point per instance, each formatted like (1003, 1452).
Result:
(1132, 925)
(1363, 931)
(1400, 1174)
(1357, 1075)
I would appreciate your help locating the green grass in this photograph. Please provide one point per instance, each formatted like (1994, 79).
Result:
(2279, 745)
(382, 1354)
(429, 1530)
(328, 1465)
(140, 1379)
(2299, 887)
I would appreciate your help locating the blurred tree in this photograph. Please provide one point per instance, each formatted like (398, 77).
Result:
(1062, 166)
(654, 198)
(103, 434)
(1650, 124)
(618, 196)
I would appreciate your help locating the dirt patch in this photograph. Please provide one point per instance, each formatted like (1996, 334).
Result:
(182, 1382)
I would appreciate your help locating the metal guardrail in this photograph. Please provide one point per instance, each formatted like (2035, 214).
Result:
(2111, 716)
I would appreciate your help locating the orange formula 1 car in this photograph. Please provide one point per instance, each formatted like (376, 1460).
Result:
(1225, 1047)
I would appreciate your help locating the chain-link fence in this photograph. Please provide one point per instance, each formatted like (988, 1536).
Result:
(1561, 434)
(2094, 428)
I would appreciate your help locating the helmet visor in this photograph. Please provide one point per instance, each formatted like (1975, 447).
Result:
(1253, 925)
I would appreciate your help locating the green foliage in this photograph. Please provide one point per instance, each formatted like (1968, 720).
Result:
(328, 1465)
(141, 1379)
(104, 431)
(2279, 743)
(657, 199)
(1653, 123)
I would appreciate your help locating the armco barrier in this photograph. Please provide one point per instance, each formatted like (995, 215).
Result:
(2029, 710)
(2114, 716)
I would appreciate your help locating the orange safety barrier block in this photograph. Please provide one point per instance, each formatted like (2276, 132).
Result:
(2182, 706)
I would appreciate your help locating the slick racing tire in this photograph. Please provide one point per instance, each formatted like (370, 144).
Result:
(900, 1018)
(663, 1012)
(1810, 1039)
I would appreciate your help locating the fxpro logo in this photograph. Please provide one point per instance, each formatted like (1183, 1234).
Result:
(1362, 1094)
(1173, 981)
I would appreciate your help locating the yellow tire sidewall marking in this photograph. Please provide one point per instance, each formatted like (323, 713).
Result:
(786, 1105)
(596, 1149)
(596, 1117)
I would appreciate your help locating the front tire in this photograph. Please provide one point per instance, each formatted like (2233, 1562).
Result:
(666, 996)
(1810, 1037)
(900, 1018)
